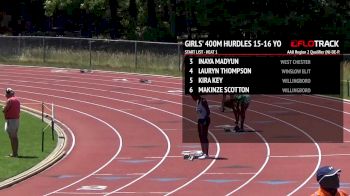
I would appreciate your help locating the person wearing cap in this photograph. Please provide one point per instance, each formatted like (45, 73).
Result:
(328, 178)
(11, 113)
(203, 113)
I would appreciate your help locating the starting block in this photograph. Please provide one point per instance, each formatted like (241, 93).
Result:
(190, 155)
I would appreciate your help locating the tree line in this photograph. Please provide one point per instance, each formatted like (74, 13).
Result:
(171, 20)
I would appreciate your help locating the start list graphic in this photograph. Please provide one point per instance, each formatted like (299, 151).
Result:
(296, 66)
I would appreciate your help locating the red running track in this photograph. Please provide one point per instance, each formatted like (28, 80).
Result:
(126, 138)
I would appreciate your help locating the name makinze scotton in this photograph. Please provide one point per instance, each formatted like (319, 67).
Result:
(220, 89)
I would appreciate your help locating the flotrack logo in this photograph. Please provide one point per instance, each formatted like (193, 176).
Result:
(314, 43)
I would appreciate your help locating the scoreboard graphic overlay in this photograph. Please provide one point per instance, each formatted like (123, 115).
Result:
(263, 68)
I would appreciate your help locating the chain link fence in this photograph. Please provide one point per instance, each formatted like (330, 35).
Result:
(84, 53)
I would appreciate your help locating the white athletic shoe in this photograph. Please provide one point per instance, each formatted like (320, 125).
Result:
(198, 153)
(204, 156)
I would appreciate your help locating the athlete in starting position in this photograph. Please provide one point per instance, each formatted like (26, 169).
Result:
(239, 104)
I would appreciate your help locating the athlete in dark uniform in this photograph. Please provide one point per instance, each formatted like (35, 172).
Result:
(203, 113)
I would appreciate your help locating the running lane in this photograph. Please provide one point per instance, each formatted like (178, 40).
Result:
(244, 167)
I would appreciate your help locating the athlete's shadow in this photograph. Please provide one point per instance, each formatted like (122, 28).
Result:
(249, 131)
(27, 157)
(218, 158)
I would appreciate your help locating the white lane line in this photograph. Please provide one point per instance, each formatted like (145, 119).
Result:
(100, 90)
(336, 99)
(295, 156)
(78, 193)
(147, 109)
(204, 171)
(314, 117)
(311, 138)
(26, 75)
(135, 174)
(306, 156)
(151, 170)
(172, 129)
(302, 131)
(316, 105)
(64, 125)
(161, 157)
(104, 165)
(268, 151)
(112, 73)
(123, 158)
(217, 143)
(239, 173)
(307, 103)
(140, 193)
(209, 166)
(298, 111)
(90, 103)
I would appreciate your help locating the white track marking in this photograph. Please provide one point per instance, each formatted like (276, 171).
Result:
(218, 146)
(322, 119)
(246, 173)
(312, 139)
(268, 151)
(151, 170)
(302, 131)
(61, 123)
(307, 103)
(308, 156)
(46, 69)
(94, 80)
(56, 82)
(161, 157)
(77, 193)
(168, 141)
(103, 166)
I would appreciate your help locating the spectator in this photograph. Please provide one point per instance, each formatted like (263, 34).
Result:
(328, 178)
(11, 113)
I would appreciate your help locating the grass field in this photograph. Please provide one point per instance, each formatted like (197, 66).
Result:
(29, 146)
(127, 56)
(146, 63)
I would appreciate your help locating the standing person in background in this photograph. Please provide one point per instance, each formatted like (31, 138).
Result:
(11, 113)
(203, 112)
(223, 102)
(240, 105)
(328, 178)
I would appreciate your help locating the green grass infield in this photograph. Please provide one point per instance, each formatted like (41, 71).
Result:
(30, 153)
